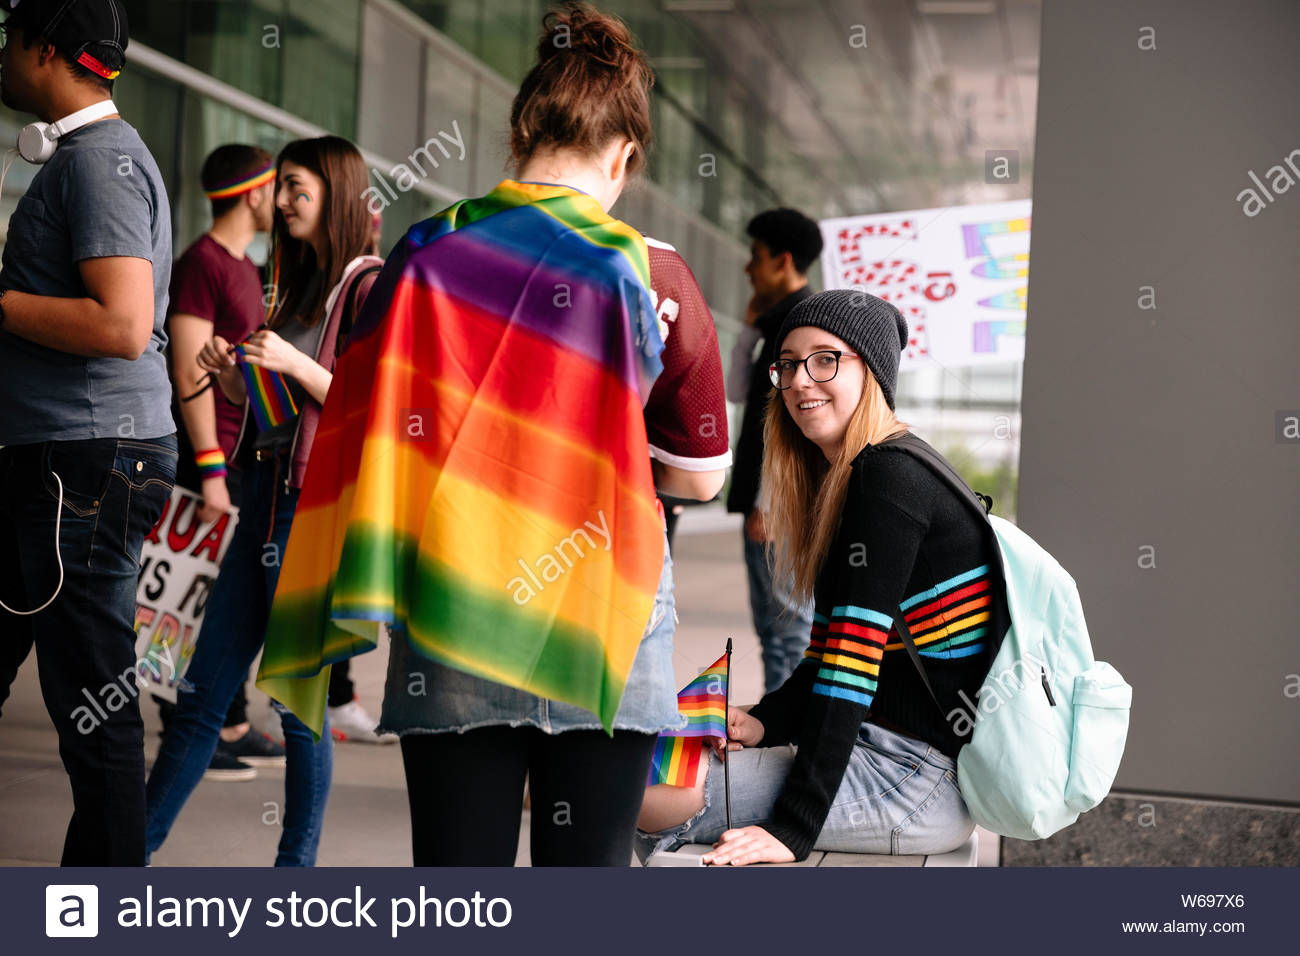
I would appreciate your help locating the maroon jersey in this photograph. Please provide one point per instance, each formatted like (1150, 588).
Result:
(686, 414)
(209, 283)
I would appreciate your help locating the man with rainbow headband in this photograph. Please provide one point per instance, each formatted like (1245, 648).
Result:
(217, 290)
(89, 452)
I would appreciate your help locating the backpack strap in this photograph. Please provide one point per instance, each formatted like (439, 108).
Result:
(350, 308)
(921, 450)
(905, 633)
(942, 468)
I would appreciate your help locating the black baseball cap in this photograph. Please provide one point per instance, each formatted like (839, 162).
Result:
(90, 32)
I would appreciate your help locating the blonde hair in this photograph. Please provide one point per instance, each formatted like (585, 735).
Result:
(805, 493)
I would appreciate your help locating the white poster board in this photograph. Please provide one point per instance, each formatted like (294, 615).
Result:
(178, 566)
(958, 274)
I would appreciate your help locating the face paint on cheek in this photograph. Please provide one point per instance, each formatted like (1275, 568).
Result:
(302, 196)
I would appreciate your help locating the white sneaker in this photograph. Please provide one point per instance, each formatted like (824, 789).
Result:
(351, 722)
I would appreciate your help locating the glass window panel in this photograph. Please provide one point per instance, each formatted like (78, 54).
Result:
(391, 86)
(678, 165)
(449, 110)
(491, 137)
(151, 104)
(240, 43)
(159, 24)
(509, 33)
(459, 20)
(321, 58)
(408, 209)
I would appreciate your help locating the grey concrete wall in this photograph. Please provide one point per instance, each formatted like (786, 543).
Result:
(1136, 830)
(1151, 465)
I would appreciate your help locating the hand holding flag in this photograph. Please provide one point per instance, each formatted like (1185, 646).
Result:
(742, 731)
(263, 359)
(273, 353)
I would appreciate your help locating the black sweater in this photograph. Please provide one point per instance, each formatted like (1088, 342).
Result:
(905, 539)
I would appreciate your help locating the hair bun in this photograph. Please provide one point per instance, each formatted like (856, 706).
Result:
(597, 92)
(578, 28)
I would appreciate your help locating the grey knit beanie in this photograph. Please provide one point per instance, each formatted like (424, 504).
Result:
(872, 327)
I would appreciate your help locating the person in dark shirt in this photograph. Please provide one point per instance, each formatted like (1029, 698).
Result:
(783, 244)
(216, 289)
(850, 753)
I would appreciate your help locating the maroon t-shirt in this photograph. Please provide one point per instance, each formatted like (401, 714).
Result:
(209, 283)
(686, 413)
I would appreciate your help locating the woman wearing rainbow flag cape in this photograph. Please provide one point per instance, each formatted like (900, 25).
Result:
(484, 485)
(850, 754)
(280, 375)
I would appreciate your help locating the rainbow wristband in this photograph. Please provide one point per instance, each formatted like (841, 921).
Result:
(212, 463)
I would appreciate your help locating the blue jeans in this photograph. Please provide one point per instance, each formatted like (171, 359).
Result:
(233, 630)
(783, 624)
(113, 490)
(898, 796)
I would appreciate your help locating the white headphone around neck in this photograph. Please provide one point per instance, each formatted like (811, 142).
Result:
(37, 142)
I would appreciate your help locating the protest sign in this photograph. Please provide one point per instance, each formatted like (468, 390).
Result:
(958, 274)
(178, 567)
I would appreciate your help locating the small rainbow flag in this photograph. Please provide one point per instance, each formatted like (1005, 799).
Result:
(268, 393)
(703, 702)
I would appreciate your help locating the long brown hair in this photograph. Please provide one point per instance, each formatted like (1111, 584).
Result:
(805, 493)
(345, 222)
(590, 85)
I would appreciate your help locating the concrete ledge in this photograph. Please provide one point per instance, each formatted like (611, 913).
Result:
(964, 855)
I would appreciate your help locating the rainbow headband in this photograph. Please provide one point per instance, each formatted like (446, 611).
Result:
(244, 185)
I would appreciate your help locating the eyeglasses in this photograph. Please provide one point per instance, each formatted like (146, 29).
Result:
(820, 366)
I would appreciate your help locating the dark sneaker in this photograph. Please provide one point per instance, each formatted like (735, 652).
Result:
(255, 749)
(228, 768)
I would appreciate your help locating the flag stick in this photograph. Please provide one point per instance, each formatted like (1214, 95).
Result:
(726, 743)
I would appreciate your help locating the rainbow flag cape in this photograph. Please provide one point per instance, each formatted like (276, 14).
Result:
(268, 393)
(703, 702)
(480, 480)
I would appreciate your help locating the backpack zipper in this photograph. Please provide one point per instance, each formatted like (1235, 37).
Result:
(1047, 689)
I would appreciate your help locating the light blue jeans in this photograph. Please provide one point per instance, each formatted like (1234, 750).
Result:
(898, 796)
(783, 624)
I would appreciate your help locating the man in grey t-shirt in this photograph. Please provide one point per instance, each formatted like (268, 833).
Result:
(89, 448)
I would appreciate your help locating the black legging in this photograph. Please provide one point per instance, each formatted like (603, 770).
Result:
(467, 790)
(341, 689)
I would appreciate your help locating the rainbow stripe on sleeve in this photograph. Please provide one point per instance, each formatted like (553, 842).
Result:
(849, 644)
(480, 480)
(948, 621)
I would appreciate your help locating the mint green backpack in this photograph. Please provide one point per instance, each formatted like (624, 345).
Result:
(1050, 719)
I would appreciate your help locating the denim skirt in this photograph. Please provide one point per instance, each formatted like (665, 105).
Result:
(898, 796)
(423, 696)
